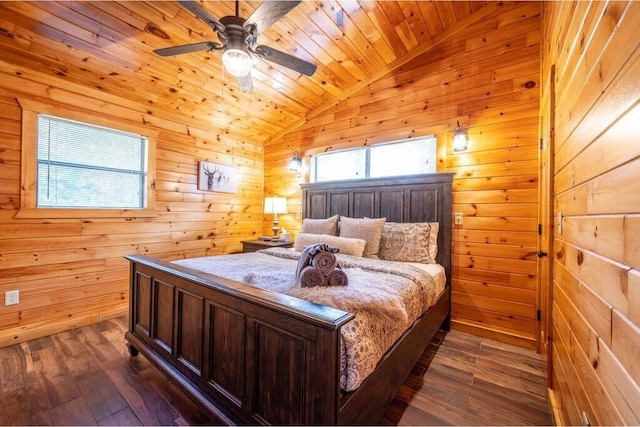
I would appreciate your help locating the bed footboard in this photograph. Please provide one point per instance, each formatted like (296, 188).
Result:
(247, 355)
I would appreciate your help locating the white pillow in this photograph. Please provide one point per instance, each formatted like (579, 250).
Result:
(354, 247)
(320, 226)
(369, 229)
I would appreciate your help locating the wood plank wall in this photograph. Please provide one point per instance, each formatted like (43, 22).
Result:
(596, 282)
(72, 272)
(487, 77)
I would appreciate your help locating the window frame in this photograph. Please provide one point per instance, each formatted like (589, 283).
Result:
(313, 167)
(28, 170)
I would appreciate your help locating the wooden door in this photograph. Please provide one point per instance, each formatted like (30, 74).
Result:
(545, 218)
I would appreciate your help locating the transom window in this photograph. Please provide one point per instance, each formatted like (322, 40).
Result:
(86, 166)
(409, 157)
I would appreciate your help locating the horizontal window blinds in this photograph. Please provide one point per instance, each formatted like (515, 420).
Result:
(86, 166)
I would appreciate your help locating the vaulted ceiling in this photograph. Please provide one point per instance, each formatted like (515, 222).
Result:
(108, 46)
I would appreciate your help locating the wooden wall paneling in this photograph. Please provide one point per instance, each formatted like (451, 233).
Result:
(600, 234)
(96, 57)
(625, 343)
(590, 54)
(595, 253)
(496, 179)
(613, 148)
(616, 74)
(620, 385)
(584, 353)
(500, 237)
(608, 279)
(572, 397)
(54, 264)
(182, 85)
(345, 52)
(634, 296)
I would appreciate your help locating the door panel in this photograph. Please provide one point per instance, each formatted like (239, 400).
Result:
(545, 218)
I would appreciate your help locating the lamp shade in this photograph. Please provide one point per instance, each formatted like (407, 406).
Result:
(275, 205)
(295, 163)
(460, 139)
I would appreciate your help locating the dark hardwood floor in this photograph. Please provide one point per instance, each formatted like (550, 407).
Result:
(86, 377)
(462, 379)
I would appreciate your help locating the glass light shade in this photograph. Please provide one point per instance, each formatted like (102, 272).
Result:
(275, 205)
(295, 163)
(237, 62)
(460, 139)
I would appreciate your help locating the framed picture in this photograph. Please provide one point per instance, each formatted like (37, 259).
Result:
(216, 177)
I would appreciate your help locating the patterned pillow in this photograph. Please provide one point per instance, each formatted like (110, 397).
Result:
(320, 226)
(347, 246)
(409, 242)
(367, 229)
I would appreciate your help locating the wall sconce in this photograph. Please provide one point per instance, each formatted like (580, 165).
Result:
(275, 205)
(460, 138)
(295, 163)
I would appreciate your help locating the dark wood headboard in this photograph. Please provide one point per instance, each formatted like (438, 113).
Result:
(415, 198)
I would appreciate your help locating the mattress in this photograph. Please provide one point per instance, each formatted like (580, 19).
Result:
(386, 297)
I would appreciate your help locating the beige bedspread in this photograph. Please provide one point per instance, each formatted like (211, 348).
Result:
(386, 298)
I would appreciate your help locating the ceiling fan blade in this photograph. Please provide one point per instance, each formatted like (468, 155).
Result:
(186, 48)
(245, 83)
(203, 14)
(286, 60)
(267, 13)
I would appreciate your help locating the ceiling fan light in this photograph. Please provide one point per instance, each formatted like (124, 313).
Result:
(237, 62)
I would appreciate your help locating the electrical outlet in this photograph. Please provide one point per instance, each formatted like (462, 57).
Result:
(11, 297)
(457, 218)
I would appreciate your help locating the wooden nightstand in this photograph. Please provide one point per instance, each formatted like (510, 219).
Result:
(256, 245)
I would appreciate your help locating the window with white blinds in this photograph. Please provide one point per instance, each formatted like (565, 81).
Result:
(85, 166)
(409, 157)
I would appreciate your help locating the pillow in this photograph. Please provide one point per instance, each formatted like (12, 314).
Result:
(347, 246)
(409, 242)
(368, 229)
(320, 226)
(433, 241)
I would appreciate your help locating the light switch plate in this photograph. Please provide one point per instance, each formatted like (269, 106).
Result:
(457, 218)
(559, 224)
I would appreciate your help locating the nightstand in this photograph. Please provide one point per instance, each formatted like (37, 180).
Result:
(256, 245)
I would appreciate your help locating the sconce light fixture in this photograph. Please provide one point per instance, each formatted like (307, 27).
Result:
(460, 138)
(295, 163)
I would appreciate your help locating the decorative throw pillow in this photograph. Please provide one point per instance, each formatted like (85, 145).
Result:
(433, 241)
(320, 226)
(354, 247)
(368, 229)
(409, 242)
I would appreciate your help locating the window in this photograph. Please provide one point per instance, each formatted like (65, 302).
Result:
(409, 157)
(86, 166)
(75, 165)
(348, 164)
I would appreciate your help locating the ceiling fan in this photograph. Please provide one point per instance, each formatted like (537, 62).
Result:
(239, 40)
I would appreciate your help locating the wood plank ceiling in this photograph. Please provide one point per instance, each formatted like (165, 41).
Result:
(108, 46)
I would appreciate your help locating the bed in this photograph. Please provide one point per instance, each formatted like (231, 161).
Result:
(253, 356)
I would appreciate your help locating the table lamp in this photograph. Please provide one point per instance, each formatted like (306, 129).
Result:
(275, 205)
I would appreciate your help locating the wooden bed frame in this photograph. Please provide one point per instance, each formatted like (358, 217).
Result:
(251, 356)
